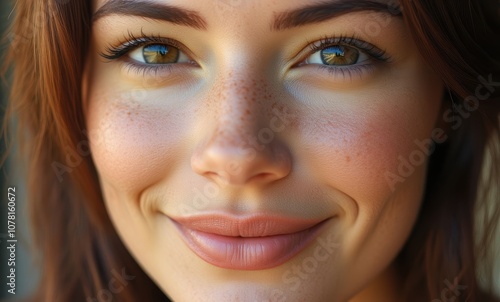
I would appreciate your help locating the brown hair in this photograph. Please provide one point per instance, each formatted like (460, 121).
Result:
(80, 250)
(461, 44)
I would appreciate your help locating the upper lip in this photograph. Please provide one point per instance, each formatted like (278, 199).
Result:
(246, 226)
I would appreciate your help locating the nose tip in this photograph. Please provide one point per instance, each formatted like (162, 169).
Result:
(240, 163)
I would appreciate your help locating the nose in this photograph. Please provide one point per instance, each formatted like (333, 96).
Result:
(243, 145)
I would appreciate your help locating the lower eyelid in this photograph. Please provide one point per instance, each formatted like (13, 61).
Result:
(339, 74)
(156, 71)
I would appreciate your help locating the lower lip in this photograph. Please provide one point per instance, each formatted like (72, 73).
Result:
(249, 253)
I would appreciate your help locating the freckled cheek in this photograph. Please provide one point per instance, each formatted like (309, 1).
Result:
(133, 144)
(352, 154)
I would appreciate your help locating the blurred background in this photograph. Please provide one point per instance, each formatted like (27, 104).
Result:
(26, 271)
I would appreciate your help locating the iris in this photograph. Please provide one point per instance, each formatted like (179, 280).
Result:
(160, 54)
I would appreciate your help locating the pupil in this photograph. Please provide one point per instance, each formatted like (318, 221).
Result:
(339, 55)
(334, 51)
(332, 54)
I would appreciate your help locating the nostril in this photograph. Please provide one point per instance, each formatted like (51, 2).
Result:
(218, 176)
(210, 174)
(263, 177)
(228, 162)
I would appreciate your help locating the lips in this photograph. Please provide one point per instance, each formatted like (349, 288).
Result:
(247, 243)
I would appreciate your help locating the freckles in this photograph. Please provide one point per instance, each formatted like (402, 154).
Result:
(241, 106)
(133, 144)
(352, 154)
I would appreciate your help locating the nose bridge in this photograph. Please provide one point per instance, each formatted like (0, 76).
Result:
(230, 151)
(242, 101)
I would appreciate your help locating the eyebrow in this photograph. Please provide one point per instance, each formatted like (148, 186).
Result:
(329, 9)
(314, 13)
(151, 10)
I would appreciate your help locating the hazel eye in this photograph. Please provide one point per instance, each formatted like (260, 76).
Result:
(337, 55)
(158, 54)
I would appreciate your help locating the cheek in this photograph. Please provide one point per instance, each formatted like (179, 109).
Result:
(133, 142)
(353, 159)
(353, 149)
(350, 150)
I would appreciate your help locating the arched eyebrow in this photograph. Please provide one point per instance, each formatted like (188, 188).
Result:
(314, 13)
(151, 10)
(329, 9)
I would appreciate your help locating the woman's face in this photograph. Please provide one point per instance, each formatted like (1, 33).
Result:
(255, 150)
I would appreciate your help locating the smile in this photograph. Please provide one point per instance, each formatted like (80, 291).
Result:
(251, 243)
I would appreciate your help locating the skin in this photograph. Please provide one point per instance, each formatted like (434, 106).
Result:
(158, 140)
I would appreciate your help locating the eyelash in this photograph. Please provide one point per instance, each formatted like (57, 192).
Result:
(369, 48)
(117, 51)
(348, 71)
(114, 52)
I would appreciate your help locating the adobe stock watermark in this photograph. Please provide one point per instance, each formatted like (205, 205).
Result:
(115, 286)
(37, 22)
(281, 118)
(74, 156)
(377, 21)
(454, 117)
(298, 273)
(224, 8)
(451, 292)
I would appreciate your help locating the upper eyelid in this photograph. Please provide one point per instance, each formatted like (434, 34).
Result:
(362, 45)
(115, 51)
(133, 42)
(376, 53)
